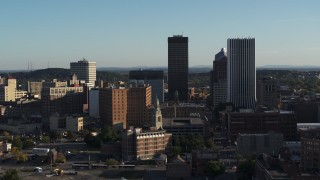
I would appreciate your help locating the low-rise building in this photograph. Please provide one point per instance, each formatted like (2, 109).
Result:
(138, 144)
(184, 126)
(5, 147)
(22, 127)
(67, 123)
(283, 122)
(274, 168)
(249, 145)
(178, 168)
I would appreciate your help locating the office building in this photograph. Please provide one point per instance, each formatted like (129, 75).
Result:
(184, 126)
(283, 122)
(152, 77)
(84, 70)
(62, 100)
(139, 101)
(35, 88)
(125, 107)
(178, 67)
(94, 102)
(183, 110)
(219, 78)
(9, 91)
(310, 149)
(249, 145)
(268, 93)
(241, 76)
(113, 106)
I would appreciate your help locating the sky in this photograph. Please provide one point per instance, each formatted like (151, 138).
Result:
(127, 33)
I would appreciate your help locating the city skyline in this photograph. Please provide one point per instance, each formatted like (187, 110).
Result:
(126, 34)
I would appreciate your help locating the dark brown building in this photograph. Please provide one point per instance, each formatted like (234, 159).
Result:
(268, 93)
(307, 112)
(62, 100)
(113, 106)
(310, 149)
(262, 123)
(178, 64)
(139, 101)
(126, 107)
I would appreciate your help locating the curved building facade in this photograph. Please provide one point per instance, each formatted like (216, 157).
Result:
(241, 76)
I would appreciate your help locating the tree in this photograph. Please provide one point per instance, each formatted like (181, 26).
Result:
(61, 158)
(92, 141)
(20, 156)
(215, 168)
(54, 135)
(11, 174)
(176, 150)
(27, 144)
(208, 143)
(72, 136)
(111, 162)
(196, 143)
(45, 139)
(17, 142)
(176, 141)
(247, 168)
(108, 135)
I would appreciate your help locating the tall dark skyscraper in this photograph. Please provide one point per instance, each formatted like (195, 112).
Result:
(178, 61)
(241, 76)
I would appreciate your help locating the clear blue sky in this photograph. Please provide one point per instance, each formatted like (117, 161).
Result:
(134, 32)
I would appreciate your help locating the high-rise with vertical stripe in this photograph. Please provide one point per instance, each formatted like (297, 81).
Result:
(241, 73)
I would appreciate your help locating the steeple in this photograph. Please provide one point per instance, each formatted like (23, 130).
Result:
(157, 115)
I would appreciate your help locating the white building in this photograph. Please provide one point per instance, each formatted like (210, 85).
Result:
(84, 70)
(241, 73)
(66, 123)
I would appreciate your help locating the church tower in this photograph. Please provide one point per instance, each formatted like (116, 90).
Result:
(157, 116)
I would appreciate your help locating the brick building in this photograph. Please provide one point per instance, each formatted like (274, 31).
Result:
(113, 106)
(310, 149)
(139, 103)
(62, 100)
(139, 144)
(261, 123)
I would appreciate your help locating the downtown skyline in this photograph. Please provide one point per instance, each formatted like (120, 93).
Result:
(127, 34)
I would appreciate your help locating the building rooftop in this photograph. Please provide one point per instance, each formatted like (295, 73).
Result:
(181, 121)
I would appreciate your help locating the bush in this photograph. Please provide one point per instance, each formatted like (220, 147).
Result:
(11, 174)
(61, 158)
(215, 168)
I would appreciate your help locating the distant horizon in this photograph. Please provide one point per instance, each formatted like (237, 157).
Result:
(165, 67)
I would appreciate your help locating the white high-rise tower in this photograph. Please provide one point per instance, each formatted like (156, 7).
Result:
(241, 73)
(84, 70)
